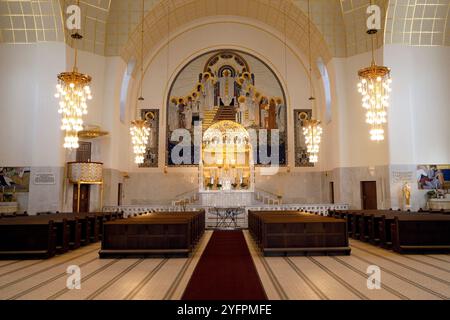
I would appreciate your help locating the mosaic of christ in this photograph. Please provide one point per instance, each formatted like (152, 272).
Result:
(227, 85)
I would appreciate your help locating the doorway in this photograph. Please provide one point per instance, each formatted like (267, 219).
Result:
(119, 194)
(83, 153)
(369, 195)
(332, 192)
(85, 191)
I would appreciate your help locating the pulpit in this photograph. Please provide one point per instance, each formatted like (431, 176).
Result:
(85, 173)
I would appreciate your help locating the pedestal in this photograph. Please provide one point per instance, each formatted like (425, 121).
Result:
(9, 207)
(439, 204)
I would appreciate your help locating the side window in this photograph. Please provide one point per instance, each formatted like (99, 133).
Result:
(124, 90)
(327, 87)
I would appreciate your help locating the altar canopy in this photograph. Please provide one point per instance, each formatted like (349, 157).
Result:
(227, 161)
(227, 85)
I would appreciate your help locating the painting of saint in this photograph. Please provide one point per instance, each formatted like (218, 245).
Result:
(430, 177)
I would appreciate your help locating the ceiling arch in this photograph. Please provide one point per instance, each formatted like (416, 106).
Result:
(284, 16)
(108, 24)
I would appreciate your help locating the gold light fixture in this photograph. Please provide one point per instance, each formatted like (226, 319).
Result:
(73, 91)
(139, 138)
(313, 136)
(139, 129)
(374, 86)
(91, 132)
(311, 127)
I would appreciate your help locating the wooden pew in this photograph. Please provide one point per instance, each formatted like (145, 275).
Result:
(27, 239)
(421, 233)
(295, 233)
(60, 226)
(68, 231)
(369, 221)
(155, 234)
(77, 226)
(378, 226)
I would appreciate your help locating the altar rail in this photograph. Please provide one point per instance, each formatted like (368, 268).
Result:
(131, 210)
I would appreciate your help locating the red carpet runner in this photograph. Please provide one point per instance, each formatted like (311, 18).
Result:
(225, 271)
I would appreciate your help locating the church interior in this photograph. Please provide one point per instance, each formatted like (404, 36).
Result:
(224, 150)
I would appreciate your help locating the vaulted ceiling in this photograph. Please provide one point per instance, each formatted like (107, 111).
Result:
(110, 27)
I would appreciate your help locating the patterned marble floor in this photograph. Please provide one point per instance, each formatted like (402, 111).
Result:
(305, 278)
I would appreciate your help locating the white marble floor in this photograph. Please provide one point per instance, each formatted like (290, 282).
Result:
(307, 278)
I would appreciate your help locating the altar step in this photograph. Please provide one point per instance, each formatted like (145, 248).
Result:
(225, 113)
(258, 197)
(209, 116)
(218, 114)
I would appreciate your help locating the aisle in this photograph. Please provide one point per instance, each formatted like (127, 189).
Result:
(225, 271)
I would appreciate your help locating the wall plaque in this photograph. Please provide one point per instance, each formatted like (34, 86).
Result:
(44, 179)
(402, 176)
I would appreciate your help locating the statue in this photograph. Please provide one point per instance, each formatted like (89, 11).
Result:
(187, 112)
(241, 110)
(181, 114)
(226, 85)
(208, 91)
(271, 117)
(280, 116)
(407, 193)
(174, 121)
(264, 113)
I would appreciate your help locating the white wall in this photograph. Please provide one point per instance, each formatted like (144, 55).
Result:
(30, 126)
(420, 112)
(30, 123)
(352, 134)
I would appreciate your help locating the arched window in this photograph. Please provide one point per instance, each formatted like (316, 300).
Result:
(124, 90)
(327, 87)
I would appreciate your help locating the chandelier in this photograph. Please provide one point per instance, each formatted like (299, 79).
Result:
(313, 136)
(139, 138)
(374, 87)
(139, 129)
(312, 130)
(73, 91)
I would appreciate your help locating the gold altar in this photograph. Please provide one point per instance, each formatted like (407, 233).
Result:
(227, 161)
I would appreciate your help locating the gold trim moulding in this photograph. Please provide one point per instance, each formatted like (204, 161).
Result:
(86, 182)
(374, 71)
(92, 134)
(75, 77)
(139, 123)
(311, 122)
